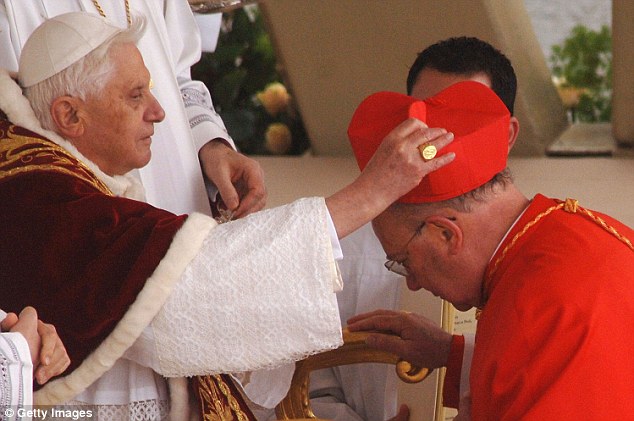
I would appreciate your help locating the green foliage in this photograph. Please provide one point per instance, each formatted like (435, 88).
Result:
(242, 66)
(584, 61)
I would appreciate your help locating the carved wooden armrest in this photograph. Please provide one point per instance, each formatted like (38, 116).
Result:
(296, 404)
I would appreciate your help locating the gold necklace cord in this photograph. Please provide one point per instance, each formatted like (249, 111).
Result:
(570, 206)
(103, 14)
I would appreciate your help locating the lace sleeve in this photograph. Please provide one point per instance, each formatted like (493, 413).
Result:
(259, 294)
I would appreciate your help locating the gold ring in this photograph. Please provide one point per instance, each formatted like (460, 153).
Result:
(427, 151)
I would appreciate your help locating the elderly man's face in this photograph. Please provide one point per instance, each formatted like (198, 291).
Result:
(119, 123)
(412, 239)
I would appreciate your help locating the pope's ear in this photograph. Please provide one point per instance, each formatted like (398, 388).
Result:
(448, 231)
(65, 117)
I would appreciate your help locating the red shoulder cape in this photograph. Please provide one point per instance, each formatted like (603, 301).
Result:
(555, 338)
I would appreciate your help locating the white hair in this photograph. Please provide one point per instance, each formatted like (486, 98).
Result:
(85, 78)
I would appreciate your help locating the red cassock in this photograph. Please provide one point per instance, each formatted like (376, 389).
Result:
(556, 337)
(68, 247)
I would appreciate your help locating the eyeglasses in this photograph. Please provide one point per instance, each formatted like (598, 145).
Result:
(396, 267)
(399, 267)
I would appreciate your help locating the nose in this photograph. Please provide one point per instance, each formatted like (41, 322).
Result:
(155, 112)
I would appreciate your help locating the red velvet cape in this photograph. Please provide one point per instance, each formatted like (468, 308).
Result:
(68, 247)
(556, 338)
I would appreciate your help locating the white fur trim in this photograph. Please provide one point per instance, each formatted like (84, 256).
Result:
(184, 247)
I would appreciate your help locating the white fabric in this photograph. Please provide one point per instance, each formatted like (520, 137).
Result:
(98, 378)
(209, 27)
(467, 356)
(170, 46)
(292, 284)
(16, 375)
(367, 389)
(361, 392)
(58, 45)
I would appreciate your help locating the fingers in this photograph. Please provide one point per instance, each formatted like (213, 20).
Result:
(238, 178)
(9, 321)
(254, 201)
(28, 315)
(27, 326)
(253, 194)
(380, 312)
(422, 135)
(228, 192)
(389, 343)
(53, 359)
(49, 340)
(385, 322)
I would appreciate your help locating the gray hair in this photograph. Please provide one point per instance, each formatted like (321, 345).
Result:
(465, 202)
(85, 78)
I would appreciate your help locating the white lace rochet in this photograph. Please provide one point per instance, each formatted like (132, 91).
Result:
(265, 297)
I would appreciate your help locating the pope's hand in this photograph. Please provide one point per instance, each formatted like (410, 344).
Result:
(395, 168)
(397, 165)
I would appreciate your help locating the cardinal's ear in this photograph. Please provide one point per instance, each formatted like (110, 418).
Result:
(446, 231)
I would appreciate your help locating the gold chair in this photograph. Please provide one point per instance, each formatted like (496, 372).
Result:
(219, 398)
(296, 404)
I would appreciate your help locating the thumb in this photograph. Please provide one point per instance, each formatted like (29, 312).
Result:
(28, 316)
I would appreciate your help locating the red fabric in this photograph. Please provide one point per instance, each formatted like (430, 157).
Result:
(79, 256)
(470, 110)
(555, 338)
(451, 384)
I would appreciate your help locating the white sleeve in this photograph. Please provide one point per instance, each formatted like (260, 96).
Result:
(258, 282)
(185, 42)
(16, 372)
(334, 239)
(465, 372)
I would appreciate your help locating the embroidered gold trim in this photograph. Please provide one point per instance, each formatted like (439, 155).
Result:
(210, 393)
(23, 154)
(570, 206)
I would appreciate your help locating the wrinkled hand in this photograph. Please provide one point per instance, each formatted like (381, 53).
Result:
(397, 166)
(239, 179)
(417, 340)
(48, 354)
(403, 414)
